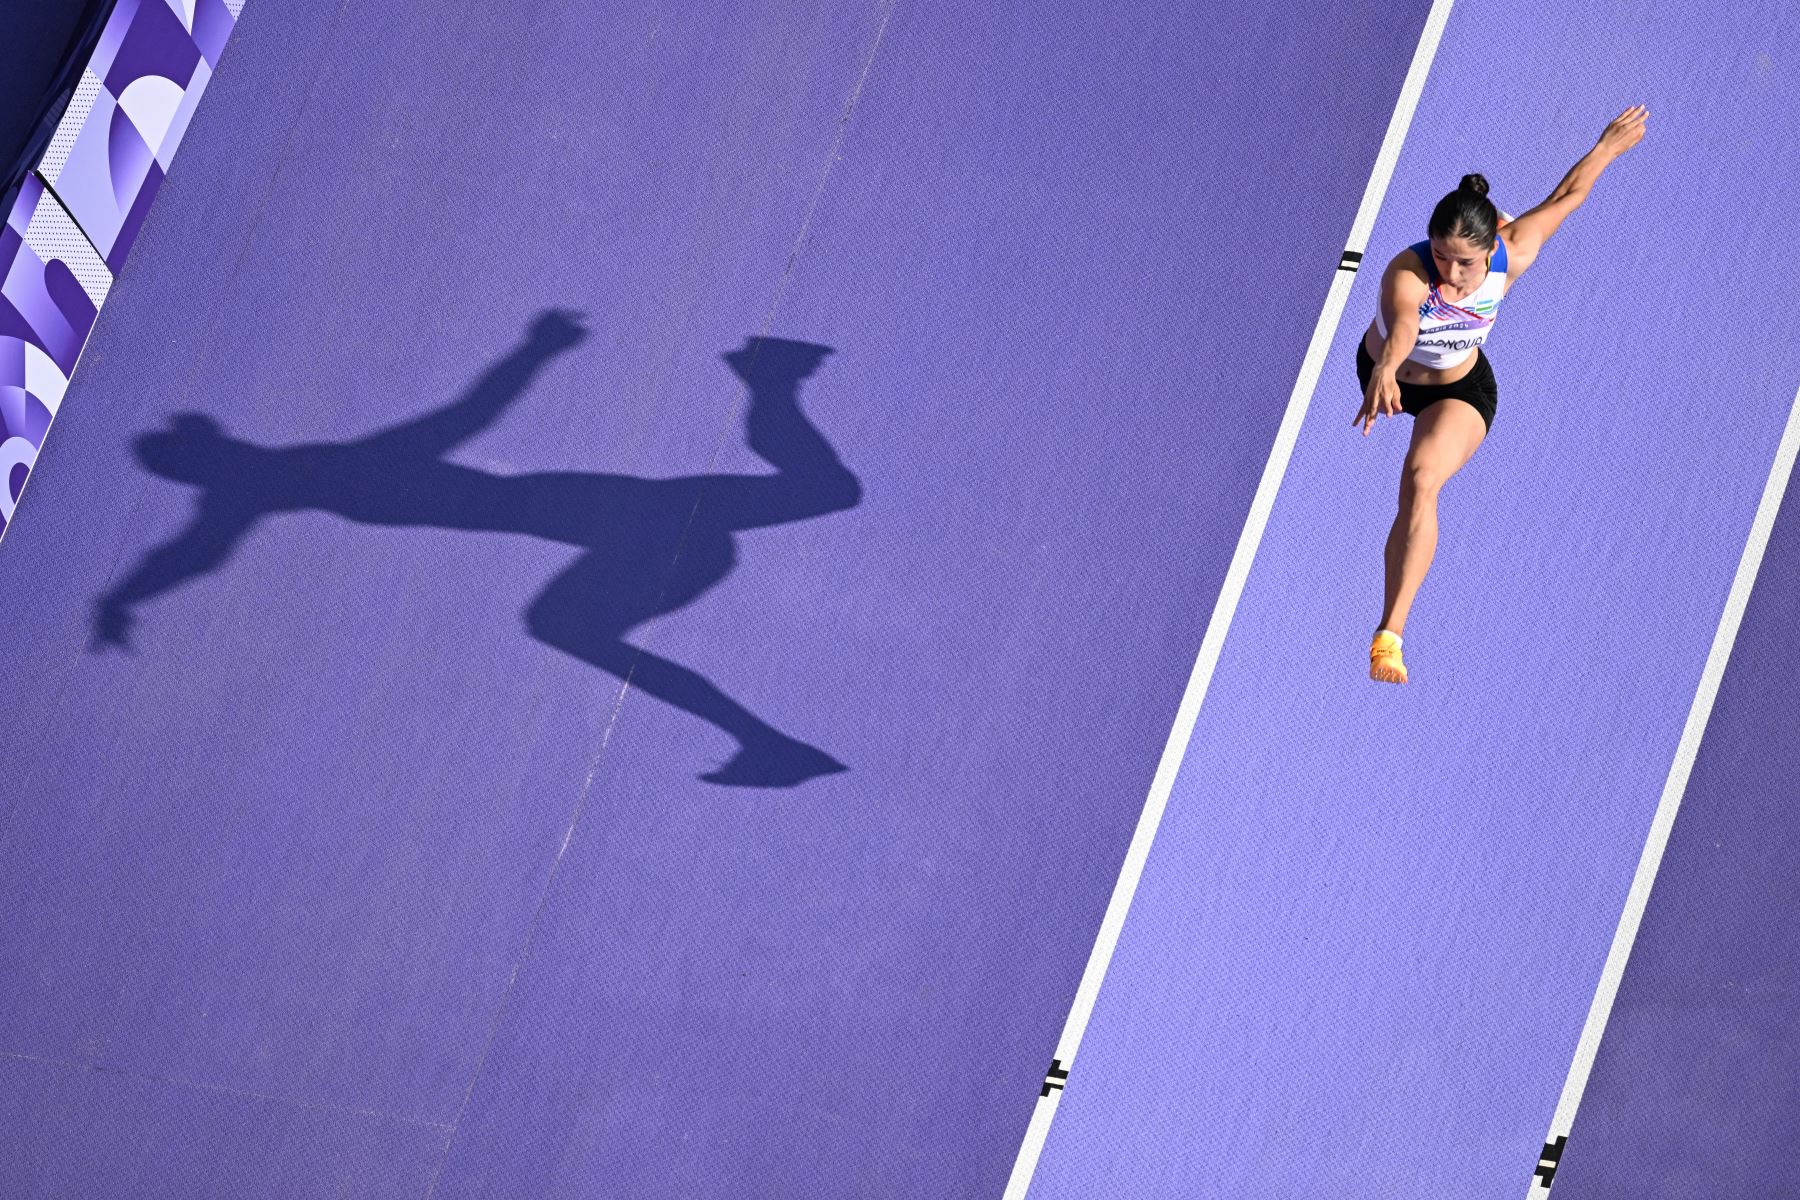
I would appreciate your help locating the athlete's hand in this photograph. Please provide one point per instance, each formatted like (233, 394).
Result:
(1381, 398)
(1625, 131)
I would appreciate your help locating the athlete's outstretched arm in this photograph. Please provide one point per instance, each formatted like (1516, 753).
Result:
(437, 433)
(1528, 232)
(203, 545)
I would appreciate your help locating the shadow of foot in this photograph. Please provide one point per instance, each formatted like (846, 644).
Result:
(776, 761)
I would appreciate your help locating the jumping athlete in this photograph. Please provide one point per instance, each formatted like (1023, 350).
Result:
(1422, 354)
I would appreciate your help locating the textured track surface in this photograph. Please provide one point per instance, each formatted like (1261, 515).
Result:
(349, 851)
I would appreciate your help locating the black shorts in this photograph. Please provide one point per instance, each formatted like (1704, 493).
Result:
(1477, 387)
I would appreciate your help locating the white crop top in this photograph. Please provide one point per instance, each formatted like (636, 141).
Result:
(1449, 331)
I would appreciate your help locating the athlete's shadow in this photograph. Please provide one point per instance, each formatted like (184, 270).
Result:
(651, 545)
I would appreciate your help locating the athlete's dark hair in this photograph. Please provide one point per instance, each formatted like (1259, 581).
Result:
(1466, 213)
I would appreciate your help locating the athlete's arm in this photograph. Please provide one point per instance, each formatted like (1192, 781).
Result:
(1403, 290)
(1527, 233)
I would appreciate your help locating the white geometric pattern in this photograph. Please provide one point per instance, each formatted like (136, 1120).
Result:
(57, 156)
(44, 379)
(53, 234)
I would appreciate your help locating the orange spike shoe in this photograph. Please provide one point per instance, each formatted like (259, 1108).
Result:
(1384, 658)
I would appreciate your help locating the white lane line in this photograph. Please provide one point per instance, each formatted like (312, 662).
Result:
(1189, 710)
(1685, 752)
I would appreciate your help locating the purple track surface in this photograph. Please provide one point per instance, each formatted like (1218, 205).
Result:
(361, 872)
(509, 418)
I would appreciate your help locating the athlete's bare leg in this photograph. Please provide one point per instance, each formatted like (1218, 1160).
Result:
(1444, 437)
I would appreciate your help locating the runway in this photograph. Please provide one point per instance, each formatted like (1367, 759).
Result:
(602, 609)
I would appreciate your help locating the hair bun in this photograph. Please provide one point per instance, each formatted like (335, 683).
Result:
(1473, 183)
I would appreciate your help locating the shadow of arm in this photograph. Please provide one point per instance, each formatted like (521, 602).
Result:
(437, 433)
(202, 546)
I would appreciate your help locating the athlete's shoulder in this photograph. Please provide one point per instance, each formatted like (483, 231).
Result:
(1407, 272)
(1515, 258)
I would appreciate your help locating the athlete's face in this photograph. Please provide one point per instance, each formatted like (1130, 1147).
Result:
(1460, 262)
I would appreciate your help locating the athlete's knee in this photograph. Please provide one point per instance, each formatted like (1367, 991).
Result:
(1429, 467)
(1421, 479)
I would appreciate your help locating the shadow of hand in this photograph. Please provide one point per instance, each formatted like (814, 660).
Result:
(557, 329)
(112, 626)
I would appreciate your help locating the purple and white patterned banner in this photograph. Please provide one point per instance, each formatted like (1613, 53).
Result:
(114, 144)
(63, 243)
(52, 284)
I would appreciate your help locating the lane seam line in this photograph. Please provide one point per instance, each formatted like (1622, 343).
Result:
(831, 157)
(241, 1093)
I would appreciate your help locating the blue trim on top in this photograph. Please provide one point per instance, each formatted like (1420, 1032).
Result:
(1423, 250)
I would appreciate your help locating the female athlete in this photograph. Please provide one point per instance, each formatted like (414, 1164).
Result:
(1422, 354)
